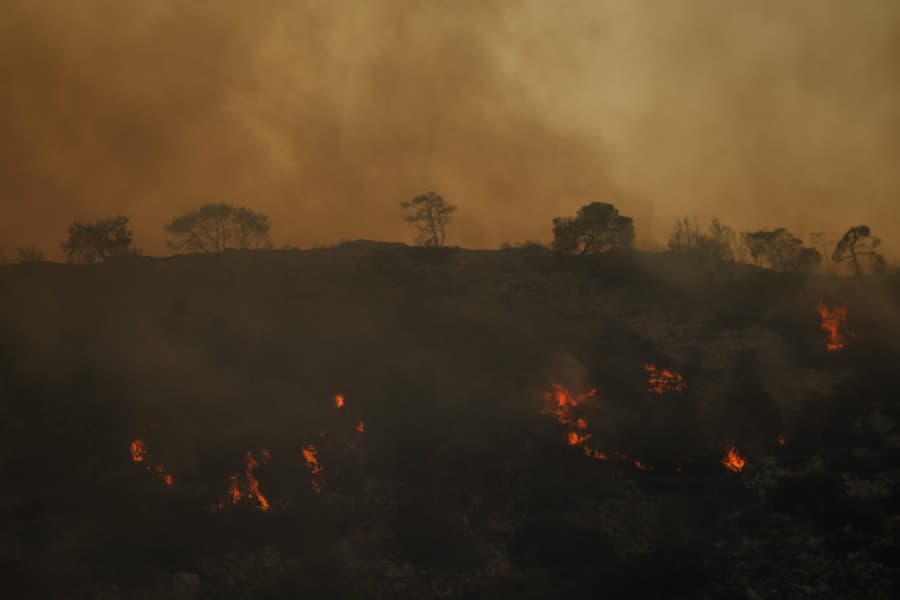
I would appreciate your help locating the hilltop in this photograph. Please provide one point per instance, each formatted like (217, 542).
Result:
(444, 472)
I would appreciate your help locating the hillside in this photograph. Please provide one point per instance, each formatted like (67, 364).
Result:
(134, 390)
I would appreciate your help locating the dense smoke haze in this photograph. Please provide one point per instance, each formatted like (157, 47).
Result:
(326, 115)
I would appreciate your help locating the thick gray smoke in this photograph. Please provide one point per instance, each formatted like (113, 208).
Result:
(327, 114)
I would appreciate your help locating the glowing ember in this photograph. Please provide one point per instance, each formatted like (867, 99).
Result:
(139, 454)
(339, 401)
(641, 466)
(311, 458)
(734, 461)
(250, 487)
(360, 427)
(781, 439)
(833, 321)
(562, 403)
(661, 380)
(253, 492)
(138, 450)
(578, 439)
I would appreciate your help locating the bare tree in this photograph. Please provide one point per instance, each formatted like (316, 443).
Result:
(429, 214)
(216, 227)
(720, 241)
(99, 241)
(596, 227)
(859, 242)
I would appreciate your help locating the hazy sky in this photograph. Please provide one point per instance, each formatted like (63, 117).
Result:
(326, 114)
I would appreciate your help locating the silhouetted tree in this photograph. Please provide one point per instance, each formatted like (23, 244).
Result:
(720, 241)
(429, 214)
(215, 227)
(98, 241)
(31, 254)
(858, 242)
(781, 250)
(597, 227)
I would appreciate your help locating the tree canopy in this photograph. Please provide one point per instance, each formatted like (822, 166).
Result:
(430, 214)
(216, 227)
(857, 243)
(781, 250)
(596, 227)
(99, 241)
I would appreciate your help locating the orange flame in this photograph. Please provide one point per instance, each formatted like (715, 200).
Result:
(311, 457)
(781, 439)
(250, 489)
(339, 401)
(253, 491)
(138, 450)
(662, 380)
(734, 461)
(139, 454)
(561, 403)
(833, 321)
(360, 427)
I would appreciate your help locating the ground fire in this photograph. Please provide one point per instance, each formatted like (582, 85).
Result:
(248, 488)
(339, 401)
(311, 458)
(834, 321)
(561, 403)
(139, 454)
(662, 380)
(734, 461)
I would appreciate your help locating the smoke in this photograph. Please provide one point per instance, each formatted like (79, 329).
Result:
(326, 115)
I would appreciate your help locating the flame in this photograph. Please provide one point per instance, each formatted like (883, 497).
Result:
(311, 458)
(641, 466)
(833, 321)
(253, 491)
(561, 404)
(339, 401)
(138, 450)
(662, 380)
(360, 427)
(139, 454)
(781, 439)
(578, 439)
(250, 489)
(734, 461)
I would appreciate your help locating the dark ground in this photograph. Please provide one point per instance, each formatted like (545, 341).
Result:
(459, 487)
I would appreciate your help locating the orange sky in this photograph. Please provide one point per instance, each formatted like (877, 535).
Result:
(326, 115)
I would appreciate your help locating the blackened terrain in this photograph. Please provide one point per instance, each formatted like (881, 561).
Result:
(459, 486)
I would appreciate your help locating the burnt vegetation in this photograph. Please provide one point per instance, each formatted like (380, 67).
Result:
(381, 420)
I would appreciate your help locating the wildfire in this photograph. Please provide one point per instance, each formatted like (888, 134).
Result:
(138, 450)
(139, 454)
(250, 487)
(339, 401)
(360, 427)
(662, 380)
(734, 461)
(833, 321)
(311, 458)
(781, 439)
(561, 404)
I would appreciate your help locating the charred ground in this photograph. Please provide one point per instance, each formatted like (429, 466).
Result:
(460, 484)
